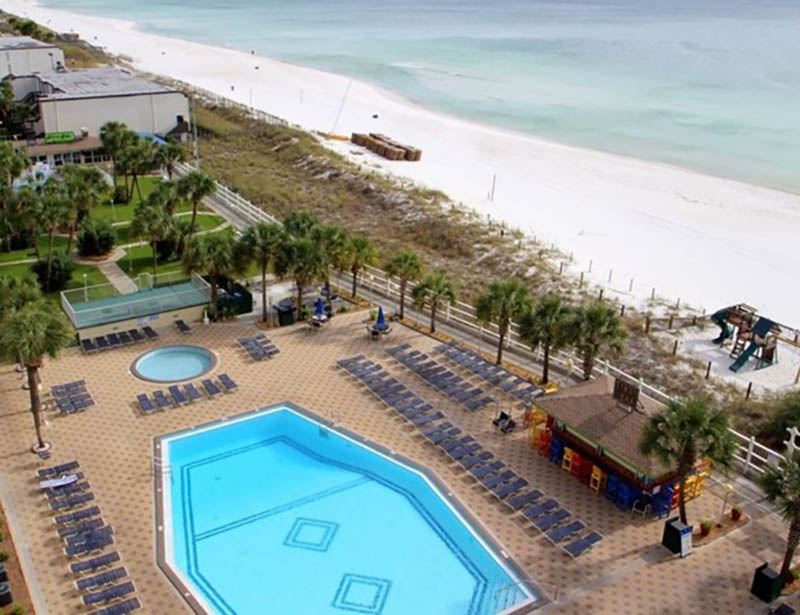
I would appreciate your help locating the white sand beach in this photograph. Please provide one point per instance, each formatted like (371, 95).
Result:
(710, 241)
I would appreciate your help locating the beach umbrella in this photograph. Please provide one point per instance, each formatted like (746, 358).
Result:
(319, 308)
(381, 322)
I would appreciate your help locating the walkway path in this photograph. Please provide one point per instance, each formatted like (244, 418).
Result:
(113, 271)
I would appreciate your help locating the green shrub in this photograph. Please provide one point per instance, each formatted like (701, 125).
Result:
(3, 556)
(120, 195)
(96, 237)
(16, 609)
(167, 249)
(60, 271)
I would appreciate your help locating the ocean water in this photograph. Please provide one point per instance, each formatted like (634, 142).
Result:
(711, 85)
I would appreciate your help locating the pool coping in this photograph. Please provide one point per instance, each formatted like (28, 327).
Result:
(137, 374)
(188, 594)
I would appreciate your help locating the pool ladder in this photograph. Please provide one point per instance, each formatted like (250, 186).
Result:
(158, 467)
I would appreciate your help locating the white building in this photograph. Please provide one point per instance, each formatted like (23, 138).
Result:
(23, 55)
(81, 101)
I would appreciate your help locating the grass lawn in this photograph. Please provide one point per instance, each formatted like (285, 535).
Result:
(204, 222)
(59, 243)
(124, 212)
(140, 260)
(93, 277)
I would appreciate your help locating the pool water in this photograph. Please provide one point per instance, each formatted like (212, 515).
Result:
(274, 513)
(173, 363)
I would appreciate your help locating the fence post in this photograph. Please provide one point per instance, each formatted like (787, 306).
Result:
(749, 390)
(622, 311)
(600, 297)
(675, 348)
(647, 324)
(708, 370)
(749, 457)
(580, 285)
(590, 265)
(561, 268)
(610, 274)
(630, 286)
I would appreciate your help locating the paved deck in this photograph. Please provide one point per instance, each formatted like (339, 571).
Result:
(627, 573)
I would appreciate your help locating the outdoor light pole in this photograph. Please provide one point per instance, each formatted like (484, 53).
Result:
(113, 208)
(85, 289)
(728, 491)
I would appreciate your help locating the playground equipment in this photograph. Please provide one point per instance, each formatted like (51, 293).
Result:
(755, 335)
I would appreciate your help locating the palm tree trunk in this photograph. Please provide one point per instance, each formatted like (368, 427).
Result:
(138, 189)
(264, 293)
(214, 297)
(299, 298)
(155, 257)
(546, 366)
(71, 235)
(403, 284)
(36, 406)
(500, 345)
(791, 546)
(433, 318)
(682, 501)
(328, 291)
(194, 217)
(588, 365)
(355, 281)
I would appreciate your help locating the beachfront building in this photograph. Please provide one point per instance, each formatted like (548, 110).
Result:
(81, 101)
(23, 55)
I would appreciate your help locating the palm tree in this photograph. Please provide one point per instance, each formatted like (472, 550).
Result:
(12, 163)
(261, 243)
(27, 205)
(195, 186)
(214, 254)
(407, 266)
(84, 187)
(781, 486)
(503, 301)
(300, 223)
(685, 432)
(361, 252)
(154, 224)
(305, 260)
(548, 323)
(596, 326)
(436, 290)
(54, 213)
(115, 136)
(335, 244)
(140, 155)
(15, 292)
(168, 157)
(30, 333)
(166, 194)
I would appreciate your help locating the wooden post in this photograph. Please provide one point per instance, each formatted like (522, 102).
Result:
(630, 286)
(653, 295)
(669, 326)
(708, 370)
(675, 348)
(622, 311)
(678, 304)
(647, 324)
(749, 390)
(600, 297)
(561, 268)
(580, 285)
(590, 265)
(610, 274)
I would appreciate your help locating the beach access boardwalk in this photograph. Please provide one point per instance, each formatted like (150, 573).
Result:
(627, 573)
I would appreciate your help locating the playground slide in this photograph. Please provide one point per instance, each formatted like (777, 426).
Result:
(744, 357)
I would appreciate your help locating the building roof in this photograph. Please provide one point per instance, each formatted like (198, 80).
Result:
(97, 82)
(591, 412)
(22, 42)
(40, 148)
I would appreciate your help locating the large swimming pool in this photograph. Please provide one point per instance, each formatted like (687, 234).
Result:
(273, 513)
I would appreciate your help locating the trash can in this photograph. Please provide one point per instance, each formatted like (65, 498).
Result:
(5, 594)
(285, 311)
(767, 583)
(677, 537)
(3, 574)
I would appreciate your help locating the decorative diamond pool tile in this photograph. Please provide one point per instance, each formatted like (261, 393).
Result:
(312, 534)
(360, 594)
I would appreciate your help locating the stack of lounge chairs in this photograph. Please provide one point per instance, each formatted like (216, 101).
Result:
(115, 340)
(177, 395)
(71, 397)
(495, 375)
(437, 375)
(87, 541)
(258, 347)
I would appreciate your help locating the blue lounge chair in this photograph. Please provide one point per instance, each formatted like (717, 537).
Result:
(408, 404)
(345, 362)
(98, 580)
(90, 565)
(88, 347)
(582, 545)
(466, 394)
(490, 482)
(471, 461)
(101, 343)
(70, 489)
(364, 368)
(464, 451)
(161, 399)
(393, 400)
(551, 520)
(563, 532)
(95, 535)
(183, 327)
(510, 384)
(113, 340)
(451, 445)
(81, 528)
(87, 547)
(177, 394)
(427, 418)
(228, 383)
(518, 502)
(63, 468)
(77, 516)
(417, 411)
(136, 337)
(150, 333)
(503, 491)
(211, 388)
(112, 593)
(145, 404)
(444, 435)
(125, 338)
(71, 502)
(432, 430)
(121, 608)
(192, 392)
(485, 470)
(537, 510)
(478, 403)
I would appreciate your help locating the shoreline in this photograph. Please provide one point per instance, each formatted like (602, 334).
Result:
(604, 208)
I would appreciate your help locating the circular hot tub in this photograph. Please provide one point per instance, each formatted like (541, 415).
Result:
(174, 363)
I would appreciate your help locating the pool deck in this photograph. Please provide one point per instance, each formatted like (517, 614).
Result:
(627, 573)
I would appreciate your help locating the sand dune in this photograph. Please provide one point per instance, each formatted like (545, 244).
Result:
(708, 240)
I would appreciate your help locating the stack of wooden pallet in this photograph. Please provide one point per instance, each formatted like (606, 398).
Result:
(386, 147)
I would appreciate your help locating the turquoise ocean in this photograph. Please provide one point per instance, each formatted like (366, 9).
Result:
(710, 85)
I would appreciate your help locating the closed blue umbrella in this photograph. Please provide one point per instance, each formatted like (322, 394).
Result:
(319, 308)
(381, 322)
